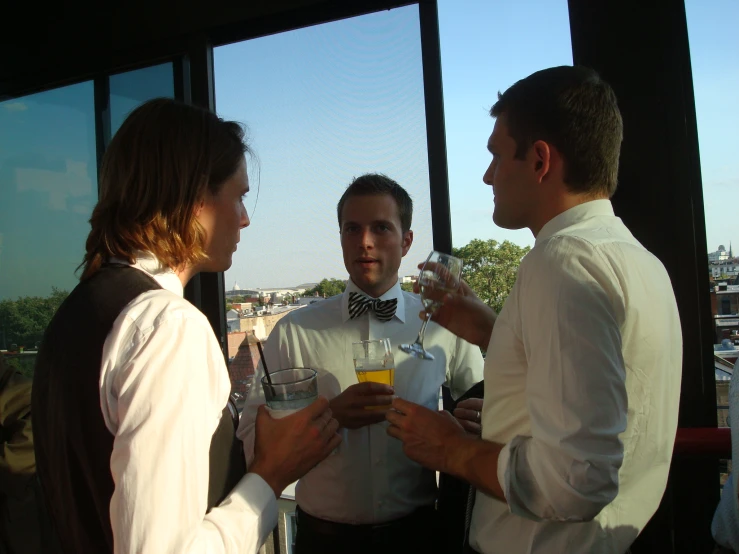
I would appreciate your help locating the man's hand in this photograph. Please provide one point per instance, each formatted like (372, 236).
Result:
(437, 441)
(288, 448)
(468, 413)
(429, 438)
(350, 407)
(463, 313)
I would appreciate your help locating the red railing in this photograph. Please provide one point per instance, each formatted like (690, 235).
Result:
(714, 442)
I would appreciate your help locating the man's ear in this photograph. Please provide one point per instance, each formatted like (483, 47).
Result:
(199, 205)
(541, 158)
(407, 241)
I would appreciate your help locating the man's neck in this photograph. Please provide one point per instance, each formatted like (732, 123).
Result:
(373, 293)
(186, 274)
(558, 205)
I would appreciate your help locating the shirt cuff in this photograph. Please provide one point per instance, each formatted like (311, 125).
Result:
(503, 459)
(253, 494)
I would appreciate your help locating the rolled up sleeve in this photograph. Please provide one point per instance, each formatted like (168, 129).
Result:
(567, 470)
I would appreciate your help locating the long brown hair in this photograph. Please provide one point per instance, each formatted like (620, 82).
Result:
(158, 167)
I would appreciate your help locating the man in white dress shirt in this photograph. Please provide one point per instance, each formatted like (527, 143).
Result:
(368, 496)
(583, 365)
(131, 383)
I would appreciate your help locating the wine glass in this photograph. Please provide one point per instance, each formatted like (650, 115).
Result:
(440, 274)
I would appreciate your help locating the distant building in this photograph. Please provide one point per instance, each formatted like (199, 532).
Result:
(721, 254)
(728, 267)
(243, 307)
(232, 320)
(725, 312)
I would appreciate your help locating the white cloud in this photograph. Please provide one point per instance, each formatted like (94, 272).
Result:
(14, 106)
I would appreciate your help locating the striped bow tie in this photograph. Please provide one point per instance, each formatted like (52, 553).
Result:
(359, 304)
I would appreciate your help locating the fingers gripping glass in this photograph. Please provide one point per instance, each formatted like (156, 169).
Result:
(439, 275)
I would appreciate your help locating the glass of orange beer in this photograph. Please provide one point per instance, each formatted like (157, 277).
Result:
(374, 361)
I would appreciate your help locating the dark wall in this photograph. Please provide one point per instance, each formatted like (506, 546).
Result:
(641, 49)
(47, 44)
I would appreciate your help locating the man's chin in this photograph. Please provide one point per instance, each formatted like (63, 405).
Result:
(506, 223)
(213, 266)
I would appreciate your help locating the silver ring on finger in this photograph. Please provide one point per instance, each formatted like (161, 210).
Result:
(477, 417)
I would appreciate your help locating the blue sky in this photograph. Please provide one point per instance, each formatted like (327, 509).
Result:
(325, 104)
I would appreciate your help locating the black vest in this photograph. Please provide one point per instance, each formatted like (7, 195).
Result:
(72, 444)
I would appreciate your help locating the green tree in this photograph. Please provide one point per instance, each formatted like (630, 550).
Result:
(407, 287)
(23, 321)
(327, 287)
(490, 268)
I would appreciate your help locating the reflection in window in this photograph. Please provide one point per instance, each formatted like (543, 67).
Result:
(48, 187)
(129, 90)
(323, 104)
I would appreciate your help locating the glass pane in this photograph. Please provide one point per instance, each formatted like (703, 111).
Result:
(713, 47)
(474, 70)
(323, 105)
(48, 187)
(129, 90)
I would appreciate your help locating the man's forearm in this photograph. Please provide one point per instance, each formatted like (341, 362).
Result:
(476, 461)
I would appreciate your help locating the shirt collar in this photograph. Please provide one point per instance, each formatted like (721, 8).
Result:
(150, 265)
(574, 215)
(394, 292)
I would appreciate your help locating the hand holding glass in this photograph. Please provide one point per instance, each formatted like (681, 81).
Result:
(291, 390)
(374, 361)
(440, 274)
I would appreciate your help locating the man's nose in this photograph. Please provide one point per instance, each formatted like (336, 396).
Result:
(367, 239)
(487, 177)
(245, 221)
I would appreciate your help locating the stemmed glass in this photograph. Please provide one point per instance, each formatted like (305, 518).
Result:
(440, 274)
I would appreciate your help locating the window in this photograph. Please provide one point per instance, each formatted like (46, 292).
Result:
(485, 48)
(48, 187)
(129, 90)
(323, 105)
(713, 44)
(713, 47)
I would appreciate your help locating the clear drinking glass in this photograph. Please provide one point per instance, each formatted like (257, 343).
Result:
(291, 390)
(374, 362)
(439, 275)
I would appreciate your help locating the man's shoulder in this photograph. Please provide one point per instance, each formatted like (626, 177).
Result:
(306, 316)
(159, 306)
(590, 239)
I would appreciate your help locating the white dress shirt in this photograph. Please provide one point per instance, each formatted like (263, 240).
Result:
(725, 525)
(163, 387)
(369, 479)
(582, 383)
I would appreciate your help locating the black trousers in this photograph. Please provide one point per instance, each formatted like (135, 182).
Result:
(416, 533)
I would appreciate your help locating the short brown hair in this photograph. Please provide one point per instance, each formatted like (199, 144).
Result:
(375, 184)
(156, 170)
(574, 110)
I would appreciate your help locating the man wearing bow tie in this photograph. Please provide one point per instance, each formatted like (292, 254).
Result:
(367, 497)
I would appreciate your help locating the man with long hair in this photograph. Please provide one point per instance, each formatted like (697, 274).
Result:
(131, 384)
